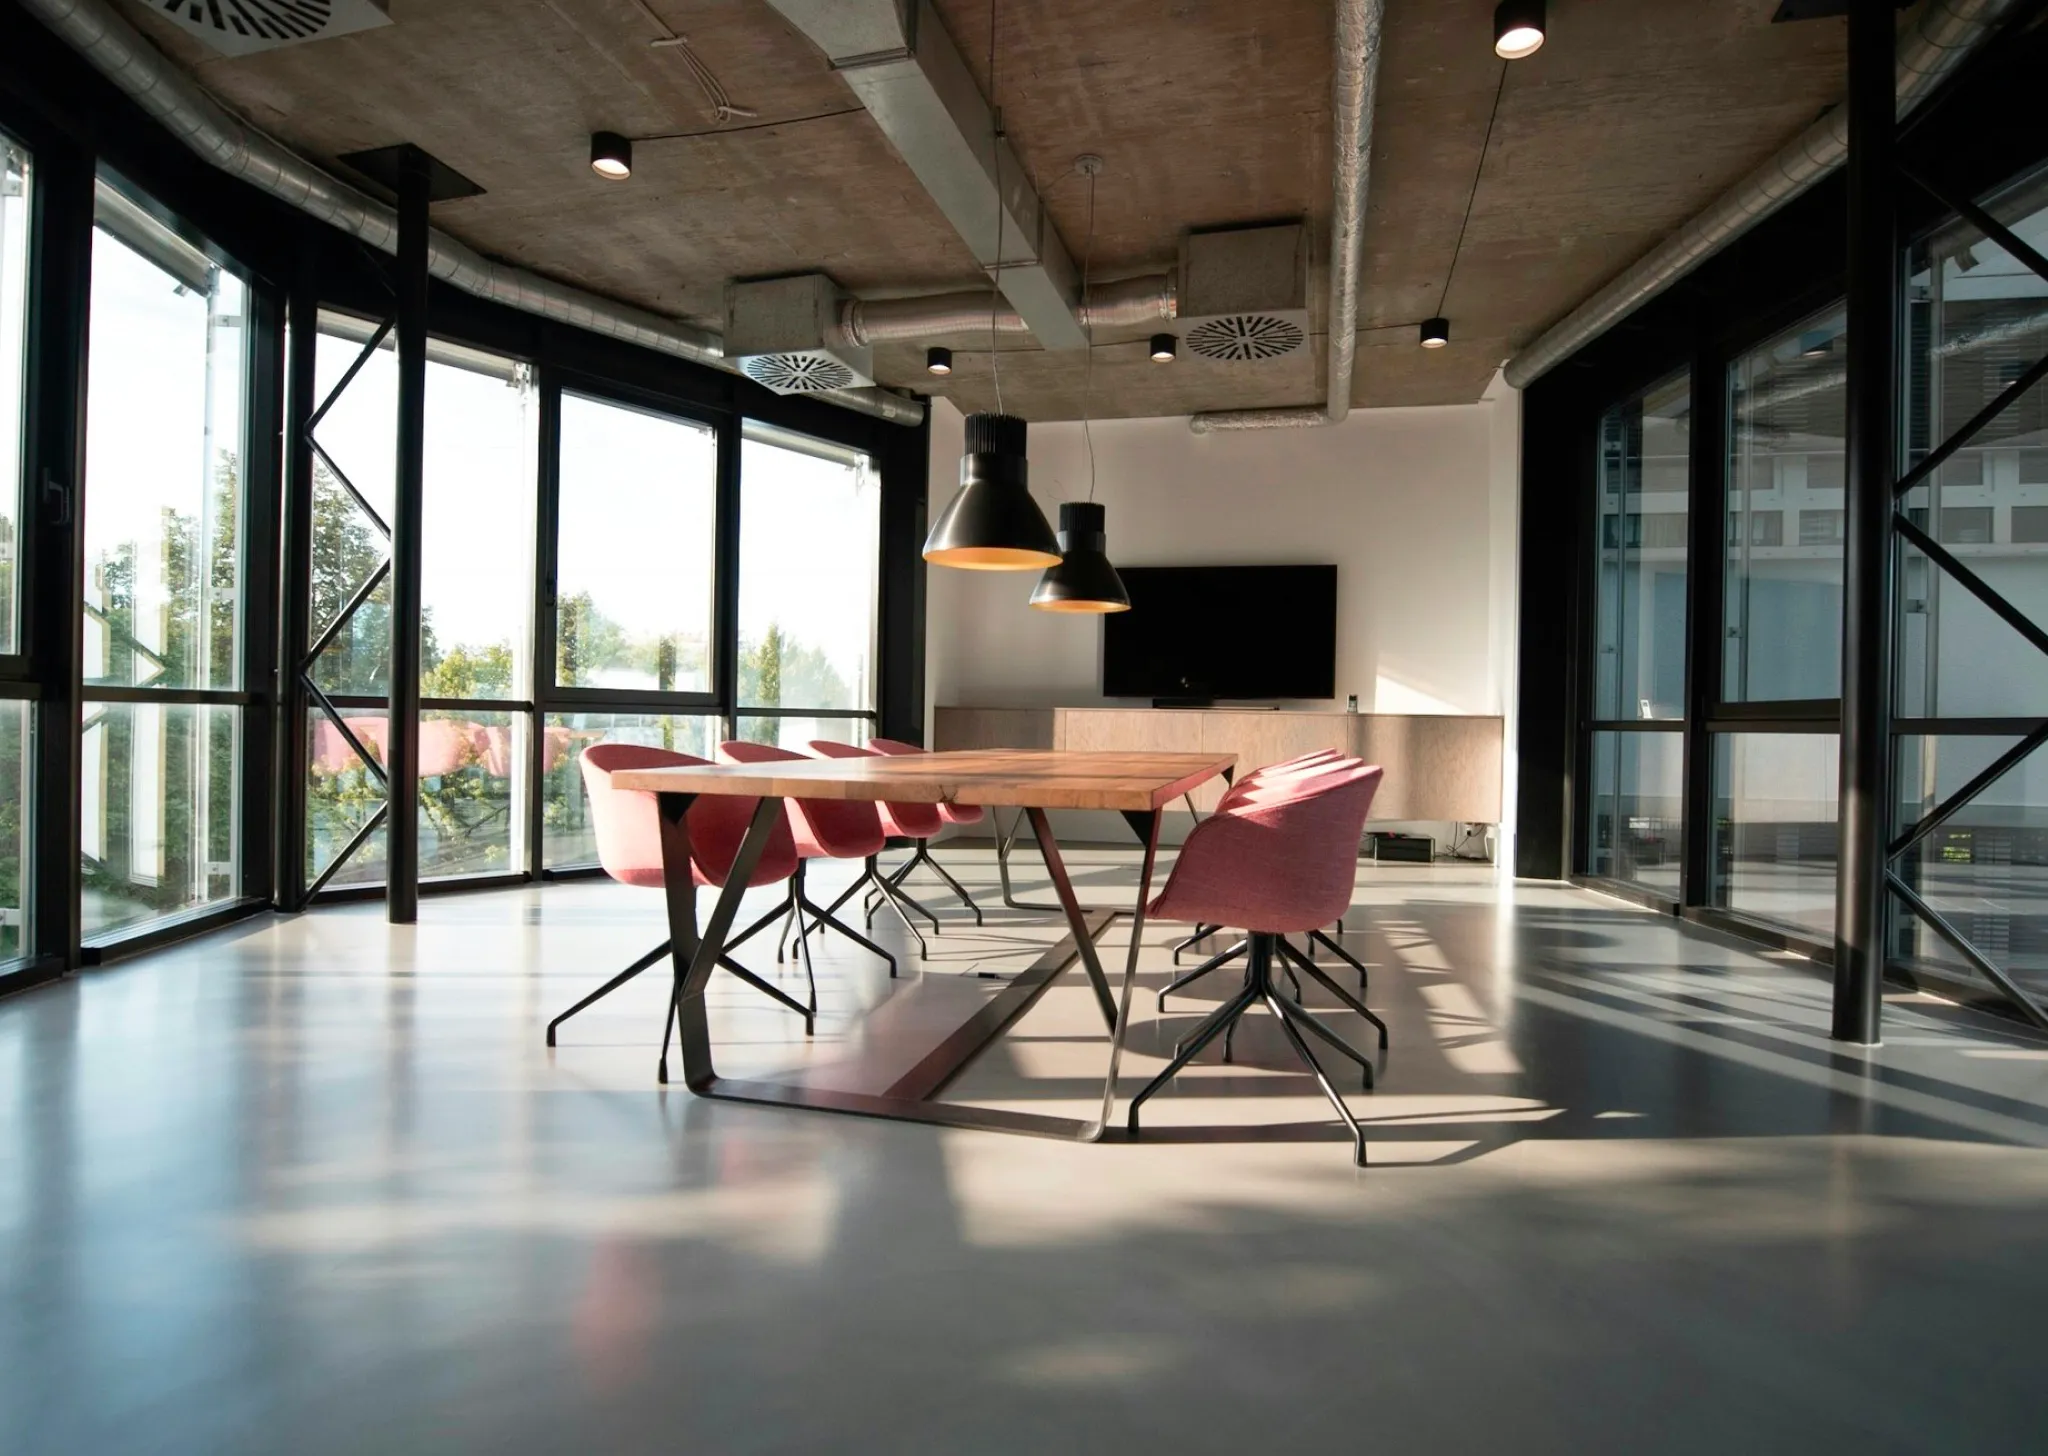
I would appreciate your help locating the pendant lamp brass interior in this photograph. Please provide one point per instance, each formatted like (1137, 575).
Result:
(1084, 580)
(992, 523)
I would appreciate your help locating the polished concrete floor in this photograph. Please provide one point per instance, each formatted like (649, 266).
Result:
(315, 1185)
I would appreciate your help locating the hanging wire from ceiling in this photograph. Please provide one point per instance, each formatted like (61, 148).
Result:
(1485, 144)
(1088, 331)
(706, 79)
(995, 157)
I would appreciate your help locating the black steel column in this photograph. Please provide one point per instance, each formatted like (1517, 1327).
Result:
(1705, 607)
(54, 567)
(1872, 440)
(295, 593)
(402, 824)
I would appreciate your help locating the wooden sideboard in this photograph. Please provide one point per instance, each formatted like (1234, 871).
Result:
(1439, 767)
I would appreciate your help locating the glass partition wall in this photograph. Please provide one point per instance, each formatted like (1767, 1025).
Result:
(1720, 797)
(1971, 688)
(1635, 800)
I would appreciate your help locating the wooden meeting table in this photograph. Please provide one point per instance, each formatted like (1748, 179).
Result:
(1137, 785)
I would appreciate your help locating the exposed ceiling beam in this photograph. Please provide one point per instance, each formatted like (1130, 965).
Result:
(912, 79)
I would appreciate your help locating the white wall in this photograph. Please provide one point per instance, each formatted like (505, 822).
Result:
(1417, 508)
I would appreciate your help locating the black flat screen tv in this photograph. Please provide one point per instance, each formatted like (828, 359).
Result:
(1200, 634)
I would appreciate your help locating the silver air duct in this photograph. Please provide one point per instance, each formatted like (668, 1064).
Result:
(121, 54)
(1128, 303)
(1352, 93)
(1933, 44)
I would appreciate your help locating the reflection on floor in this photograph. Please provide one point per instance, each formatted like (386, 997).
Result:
(317, 1186)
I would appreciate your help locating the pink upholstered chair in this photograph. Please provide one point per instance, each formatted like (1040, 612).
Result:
(1276, 863)
(1263, 783)
(899, 821)
(823, 829)
(628, 829)
(948, 814)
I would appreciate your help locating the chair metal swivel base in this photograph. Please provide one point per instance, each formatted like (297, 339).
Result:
(806, 916)
(1217, 962)
(923, 856)
(881, 890)
(1294, 1019)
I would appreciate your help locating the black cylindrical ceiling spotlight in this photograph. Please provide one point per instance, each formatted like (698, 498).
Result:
(1084, 581)
(992, 523)
(1517, 29)
(938, 360)
(1164, 347)
(611, 156)
(1436, 333)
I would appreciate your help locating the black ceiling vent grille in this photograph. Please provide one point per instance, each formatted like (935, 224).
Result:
(1240, 337)
(239, 27)
(798, 373)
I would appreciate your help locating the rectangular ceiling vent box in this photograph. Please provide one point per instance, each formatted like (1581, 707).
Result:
(243, 27)
(1244, 292)
(784, 333)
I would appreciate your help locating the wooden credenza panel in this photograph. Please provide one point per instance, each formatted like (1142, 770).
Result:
(963, 729)
(1262, 738)
(1438, 767)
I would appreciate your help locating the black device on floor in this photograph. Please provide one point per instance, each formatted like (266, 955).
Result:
(1403, 848)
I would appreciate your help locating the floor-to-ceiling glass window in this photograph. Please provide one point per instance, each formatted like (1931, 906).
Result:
(810, 563)
(635, 637)
(1635, 803)
(354, 473)
(163, 504)
(1969, 686)
(476, 584)
(1774, 776)
(16, 779)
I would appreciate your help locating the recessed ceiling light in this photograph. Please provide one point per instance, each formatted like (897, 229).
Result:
(611, 156)
(1517, 29)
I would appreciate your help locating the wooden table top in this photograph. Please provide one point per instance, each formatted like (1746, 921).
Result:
(1004, 777)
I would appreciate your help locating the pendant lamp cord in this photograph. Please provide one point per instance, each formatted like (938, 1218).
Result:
(995, 158)
(1088, 332)
(1473, 196)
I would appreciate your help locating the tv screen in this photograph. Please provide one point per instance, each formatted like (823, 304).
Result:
(1201, 633)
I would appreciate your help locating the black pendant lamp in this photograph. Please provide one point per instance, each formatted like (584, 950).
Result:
(1084, 581)
(993, 524)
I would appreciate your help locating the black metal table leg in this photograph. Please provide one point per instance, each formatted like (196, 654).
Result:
(910, 1099)
(1063, 886)
(695, 957)
(1004, 844)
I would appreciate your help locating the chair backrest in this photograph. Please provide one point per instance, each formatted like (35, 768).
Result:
(825, 828)
(948, 813)
(628, 822)
(1251, 783)
(1282, 862)
(906, 821)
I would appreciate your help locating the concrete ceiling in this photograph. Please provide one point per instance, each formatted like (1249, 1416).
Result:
(1632, 117)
